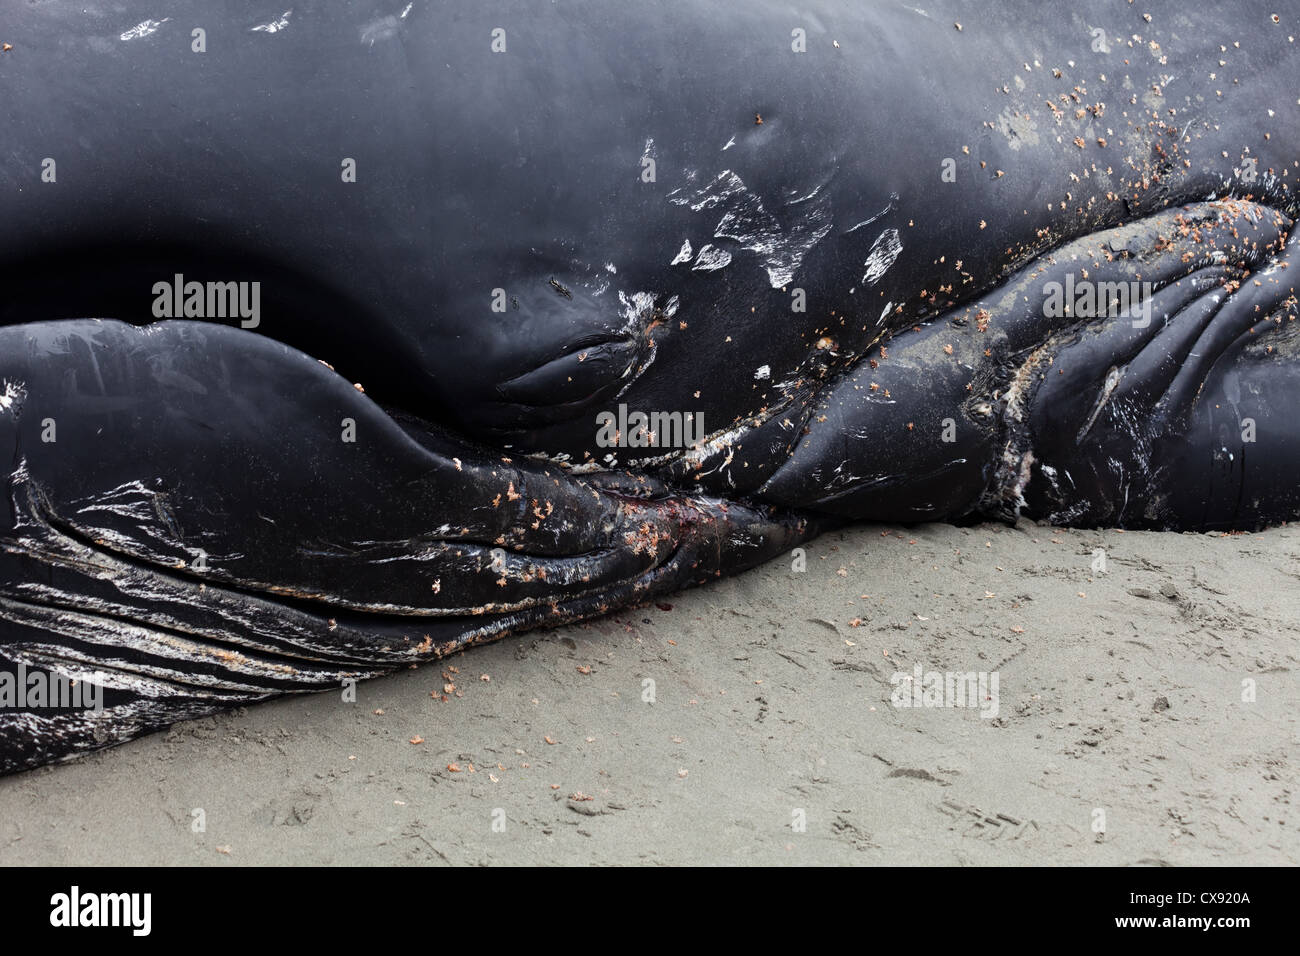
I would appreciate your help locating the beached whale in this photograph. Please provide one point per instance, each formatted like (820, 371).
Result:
(338, 338)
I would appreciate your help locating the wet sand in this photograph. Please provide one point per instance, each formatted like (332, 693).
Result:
(771, 736)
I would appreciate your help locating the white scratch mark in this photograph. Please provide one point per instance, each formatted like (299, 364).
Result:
(806, 196)
(274, 26)
(866, 222)
(143, 29)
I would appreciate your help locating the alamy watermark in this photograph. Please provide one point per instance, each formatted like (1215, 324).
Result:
(922, 688)
(43, 690)
(179, 299)
(1085, 299)
(73, 909)
(649, 430)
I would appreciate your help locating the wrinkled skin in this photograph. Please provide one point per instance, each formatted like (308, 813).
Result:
(850, 294)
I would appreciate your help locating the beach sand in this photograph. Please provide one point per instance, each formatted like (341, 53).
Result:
(750, 721)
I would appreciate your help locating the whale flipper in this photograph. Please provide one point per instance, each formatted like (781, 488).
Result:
(1129, 412)
(201, 517)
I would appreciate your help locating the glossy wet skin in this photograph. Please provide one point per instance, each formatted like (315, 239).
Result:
(481, 171)
(203, 528)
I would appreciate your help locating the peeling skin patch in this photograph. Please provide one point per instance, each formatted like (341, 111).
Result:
(764, 371)
(12, 396)
(884, 252)
(385, 28)
(712, 445)
(710, 259)
(1019, 129)
(143, 29)
(274, 26)
(637, 310)
(746, 221)
(723, 186)
(684, 255)
(640, 314)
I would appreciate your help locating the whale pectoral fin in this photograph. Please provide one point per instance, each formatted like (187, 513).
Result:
(1194, 428)
(205, 517)
(894, 439)
(1031, 400)
(1112, 412)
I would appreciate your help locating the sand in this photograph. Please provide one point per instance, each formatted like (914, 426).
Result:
(771, 736)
